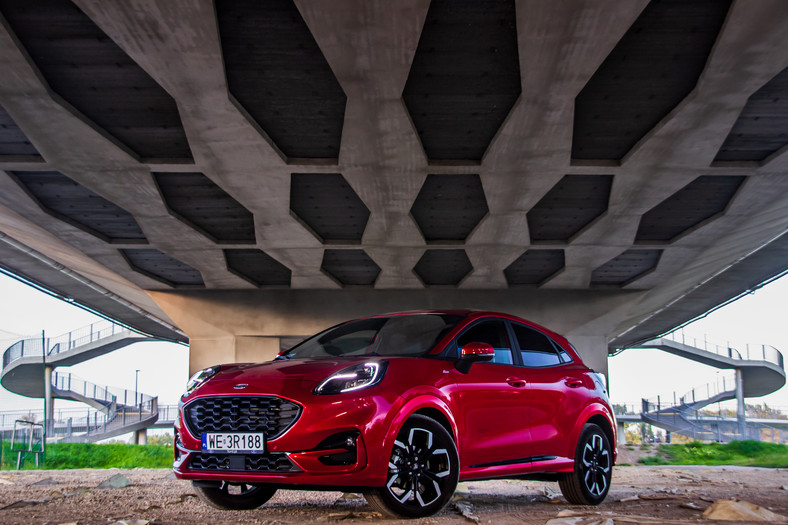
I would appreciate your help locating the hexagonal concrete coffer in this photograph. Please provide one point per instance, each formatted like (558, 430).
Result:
(162, 267)
(202, 204)
(449, 207)
(465, 77)
(534, 267)
(761, 127)
(71, 202)
(626, 268)
(443, 267)
(695, 203)
(350, 267)
(13, 140)
(570, 206)
(94, 75)
(276, 71)
(257, 267)
(327, 205)
(654, 66)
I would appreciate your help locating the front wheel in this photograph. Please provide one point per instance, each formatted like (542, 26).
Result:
(423, 471)
(234, 496)
(589, 483)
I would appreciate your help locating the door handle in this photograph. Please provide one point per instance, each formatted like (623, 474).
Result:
(573, 383)
(515, 382)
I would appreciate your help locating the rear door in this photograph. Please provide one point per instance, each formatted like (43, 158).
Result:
(556, 391)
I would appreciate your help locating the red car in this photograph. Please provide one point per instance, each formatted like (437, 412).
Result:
(400, 407)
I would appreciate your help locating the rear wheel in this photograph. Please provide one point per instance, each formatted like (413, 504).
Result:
(234, 496)
(589, 483)
(422, 473)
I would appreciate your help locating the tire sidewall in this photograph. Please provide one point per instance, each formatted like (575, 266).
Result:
(221, 499)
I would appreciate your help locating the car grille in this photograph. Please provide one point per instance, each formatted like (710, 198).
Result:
(271, 462)
(267, 414)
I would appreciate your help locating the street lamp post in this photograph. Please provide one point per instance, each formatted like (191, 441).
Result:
(136, 382)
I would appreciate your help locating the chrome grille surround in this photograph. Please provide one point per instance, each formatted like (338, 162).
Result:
(270, 415)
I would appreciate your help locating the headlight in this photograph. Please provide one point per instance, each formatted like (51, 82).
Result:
(354, 378)
(199, 378)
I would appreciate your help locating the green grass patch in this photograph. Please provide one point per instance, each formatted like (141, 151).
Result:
(744, 453)
(90, 455)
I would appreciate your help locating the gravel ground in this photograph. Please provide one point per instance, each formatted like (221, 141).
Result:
(650, 494)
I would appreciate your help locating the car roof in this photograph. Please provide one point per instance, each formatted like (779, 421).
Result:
(473, 315)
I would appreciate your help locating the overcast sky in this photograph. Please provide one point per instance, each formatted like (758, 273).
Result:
(759, 318)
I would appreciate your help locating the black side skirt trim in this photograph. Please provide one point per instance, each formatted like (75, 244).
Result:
(532, 459)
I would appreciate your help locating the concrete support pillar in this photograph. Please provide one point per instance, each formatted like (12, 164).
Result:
(231, 349)
(741, 413)
(622, 437)
(141, 437)
(49, 401)
(592, 350)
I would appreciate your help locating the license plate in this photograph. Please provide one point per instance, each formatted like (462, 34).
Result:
(233, 442)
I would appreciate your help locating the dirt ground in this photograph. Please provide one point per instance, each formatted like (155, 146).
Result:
(639, 494)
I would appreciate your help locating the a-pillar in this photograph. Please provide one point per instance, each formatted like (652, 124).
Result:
(49, 401)
(741, 414)
(141, 437)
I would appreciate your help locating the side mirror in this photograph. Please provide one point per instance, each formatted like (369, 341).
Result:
(473, 352)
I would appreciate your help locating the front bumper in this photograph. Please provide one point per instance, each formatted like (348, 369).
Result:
(330, 443)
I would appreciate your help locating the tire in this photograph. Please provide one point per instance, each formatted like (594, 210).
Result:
(235, 496)
(589, 483)
(422, 487)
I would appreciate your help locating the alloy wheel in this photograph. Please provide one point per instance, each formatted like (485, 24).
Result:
(417, 468)
(596, 465)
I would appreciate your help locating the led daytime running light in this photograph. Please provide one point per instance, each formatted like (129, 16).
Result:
(353, 378)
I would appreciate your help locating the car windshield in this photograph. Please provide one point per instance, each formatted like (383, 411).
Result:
(398, 335)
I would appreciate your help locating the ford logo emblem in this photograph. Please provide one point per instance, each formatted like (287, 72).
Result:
(240, 386)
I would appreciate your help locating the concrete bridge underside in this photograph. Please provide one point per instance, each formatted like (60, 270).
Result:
(238, 172)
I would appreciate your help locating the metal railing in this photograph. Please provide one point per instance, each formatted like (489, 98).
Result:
(23, 348)
(168, 413)
(34, 346)
(86, 335)
(703, 425)
(122, 407)
(80, 417)
(766, 353)
(105, 394)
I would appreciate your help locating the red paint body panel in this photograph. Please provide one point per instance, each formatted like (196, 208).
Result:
(506, 420)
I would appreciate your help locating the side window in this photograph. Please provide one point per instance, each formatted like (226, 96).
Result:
(494, 334)
(565, 357)
(536, 349)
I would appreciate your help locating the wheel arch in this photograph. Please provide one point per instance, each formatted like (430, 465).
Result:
(440, 417)
(603, 423)
(425, 405)
(599, 415)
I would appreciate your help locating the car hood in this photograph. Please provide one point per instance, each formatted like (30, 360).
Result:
(281, 377)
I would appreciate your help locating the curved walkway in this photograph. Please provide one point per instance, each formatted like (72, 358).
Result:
(117, 411)
(762, 372)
